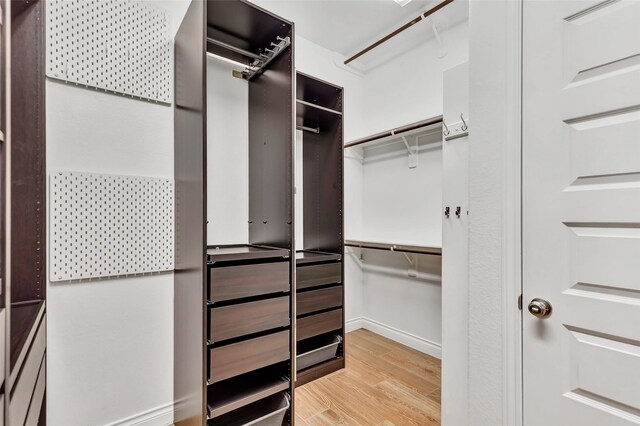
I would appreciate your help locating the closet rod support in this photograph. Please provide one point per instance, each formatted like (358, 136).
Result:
(406, 256)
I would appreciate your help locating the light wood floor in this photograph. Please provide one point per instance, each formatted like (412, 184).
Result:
(384, 383)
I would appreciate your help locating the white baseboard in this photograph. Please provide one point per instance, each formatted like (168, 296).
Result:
(159, 416)
(418, 343)
(353, 324)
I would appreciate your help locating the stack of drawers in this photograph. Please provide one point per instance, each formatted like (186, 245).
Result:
(320, 321)
(249, 330)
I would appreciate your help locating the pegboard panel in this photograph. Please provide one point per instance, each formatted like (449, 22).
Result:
(109, 225)
(122, 46)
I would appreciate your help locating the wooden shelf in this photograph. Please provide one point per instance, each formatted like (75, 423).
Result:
(244, 390)
(25, 318)
(402, 248)
(304, 257)
(240, 252)
(428, 125)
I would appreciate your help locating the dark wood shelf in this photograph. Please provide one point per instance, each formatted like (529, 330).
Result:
(240, 252)
(244, 390)
(24, 319)
(319, 370)
(423, 125)
(304, 257)
(402, 248)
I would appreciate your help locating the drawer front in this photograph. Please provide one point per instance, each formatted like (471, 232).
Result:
(238, 358)
(235, 282)
(319, 300)
(239, 320)
(315, 275)
(315, 325)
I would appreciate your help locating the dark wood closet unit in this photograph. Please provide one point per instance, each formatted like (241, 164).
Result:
(234, 304)
(319, 267)
(22, 388)
(25, 292)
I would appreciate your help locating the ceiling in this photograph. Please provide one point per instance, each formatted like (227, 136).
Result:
(347, 26)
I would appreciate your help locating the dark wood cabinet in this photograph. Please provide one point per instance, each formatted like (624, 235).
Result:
(23, 237)
(234, 308)
(320, 269)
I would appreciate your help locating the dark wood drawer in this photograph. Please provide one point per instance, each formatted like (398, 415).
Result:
(318, 300)
(228, 322)
(235, 282)
(315, 325)
(315, 275)
(239, 358)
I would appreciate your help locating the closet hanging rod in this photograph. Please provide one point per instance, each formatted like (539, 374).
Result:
(396, 132)
(399, 30)
(401, 248)
(315, 130)
(234, 49)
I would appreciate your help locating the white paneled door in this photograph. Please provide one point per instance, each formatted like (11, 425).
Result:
(581, 212)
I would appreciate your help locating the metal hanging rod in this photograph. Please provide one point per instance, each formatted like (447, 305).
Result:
(260, 61)
(400, 248)
(234, 49)
(315, 130)
(399, 30)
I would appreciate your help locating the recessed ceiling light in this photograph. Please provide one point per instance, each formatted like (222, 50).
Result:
(402, 2)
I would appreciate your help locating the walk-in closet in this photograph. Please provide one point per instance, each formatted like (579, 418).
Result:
(327, 281)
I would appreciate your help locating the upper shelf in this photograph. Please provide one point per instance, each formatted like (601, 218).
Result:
(430, 125)
(231, 253)
(403, 248)
(243, 26)
(313, 256)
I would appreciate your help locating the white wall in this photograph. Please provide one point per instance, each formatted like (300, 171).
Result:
(227, 155)
(110, 342)
(409, 87)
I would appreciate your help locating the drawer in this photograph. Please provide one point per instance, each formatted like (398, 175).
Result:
(246, 318)
(315, 275)
(239, 358)
(319, 300)
(315, 325)
(235, 282)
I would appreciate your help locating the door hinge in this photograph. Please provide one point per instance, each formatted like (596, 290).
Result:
(520, 302)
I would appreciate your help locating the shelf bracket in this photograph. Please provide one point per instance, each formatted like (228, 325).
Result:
(413, 151)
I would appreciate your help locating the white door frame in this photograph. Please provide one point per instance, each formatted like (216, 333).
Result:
(495, 176)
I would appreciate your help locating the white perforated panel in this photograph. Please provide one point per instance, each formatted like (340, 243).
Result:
(108, 225)
(123, 46)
